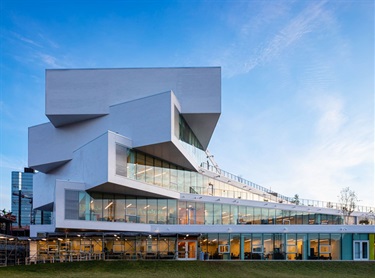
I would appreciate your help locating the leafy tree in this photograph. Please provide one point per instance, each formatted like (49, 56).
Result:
(348, 201)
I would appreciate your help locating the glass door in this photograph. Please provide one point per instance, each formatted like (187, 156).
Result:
(360, 250)
(187, 250)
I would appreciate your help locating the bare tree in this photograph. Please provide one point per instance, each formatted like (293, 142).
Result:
(295, 199)
(348, 202)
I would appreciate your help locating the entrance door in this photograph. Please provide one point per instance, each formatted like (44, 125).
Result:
(187, 250)
(360, 249)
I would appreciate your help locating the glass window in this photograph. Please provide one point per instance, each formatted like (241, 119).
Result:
(96, 206)
(149, 169)
(233, 219)
(151, 210)
(141, 210)
(302, 246)
(166, 174)
(313, 247)
(257, 247)
(131, 210)
(190, 211)
(131, 164)
(324, 247)
(225, 214)
(200, 212)
(257, 215)
(182, 214)
(119, 208)
(121, 159)
(213, 251)
(209, 213)
(159, 172)
(271, 216)
(84, 206)
(71, 204)
(241, 215)
(162, 211)
(336, 246)
(172, 211)
(217, 214)
(141, 168)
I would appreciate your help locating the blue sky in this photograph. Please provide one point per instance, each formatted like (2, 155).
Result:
(297, 79)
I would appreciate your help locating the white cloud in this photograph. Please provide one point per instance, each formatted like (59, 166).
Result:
(340, 154)
(332, 117)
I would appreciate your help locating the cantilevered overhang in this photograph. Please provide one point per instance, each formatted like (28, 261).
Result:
(168, 151)
(130, 187)
(203, 125)
(74, 95)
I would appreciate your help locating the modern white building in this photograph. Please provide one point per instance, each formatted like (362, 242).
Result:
(123, 166)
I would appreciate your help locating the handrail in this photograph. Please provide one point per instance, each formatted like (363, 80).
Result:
(282, 198)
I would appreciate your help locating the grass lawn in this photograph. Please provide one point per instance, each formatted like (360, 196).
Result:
(169, 269)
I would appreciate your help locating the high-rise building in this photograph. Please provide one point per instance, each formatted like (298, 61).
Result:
(22, 201)
(22, 192)
(123, 166)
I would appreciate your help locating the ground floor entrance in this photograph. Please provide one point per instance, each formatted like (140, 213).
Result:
(62, 247)
(187, 250)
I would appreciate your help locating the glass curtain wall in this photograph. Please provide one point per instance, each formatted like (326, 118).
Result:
(80, 205)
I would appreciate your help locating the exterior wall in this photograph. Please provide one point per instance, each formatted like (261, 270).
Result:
(101, 88)
(347, 245)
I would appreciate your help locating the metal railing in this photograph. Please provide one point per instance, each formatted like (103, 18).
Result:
(281, 198)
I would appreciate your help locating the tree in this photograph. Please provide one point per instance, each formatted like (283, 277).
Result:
(295, 199)
(348, 202)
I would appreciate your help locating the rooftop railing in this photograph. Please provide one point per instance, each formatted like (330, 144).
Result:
(269, 194)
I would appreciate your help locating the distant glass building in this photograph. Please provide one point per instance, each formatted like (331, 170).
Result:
(22, 200)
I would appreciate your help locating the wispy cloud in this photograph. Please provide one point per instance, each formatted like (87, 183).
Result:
(50, 42)
(49, 60)
(24, 39)
(242, 55)
(339, 147)
(11, 164)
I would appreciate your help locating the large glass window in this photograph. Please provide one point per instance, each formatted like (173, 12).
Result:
(187, 135)
(325, 247)
(313, 247)
(257, 247)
